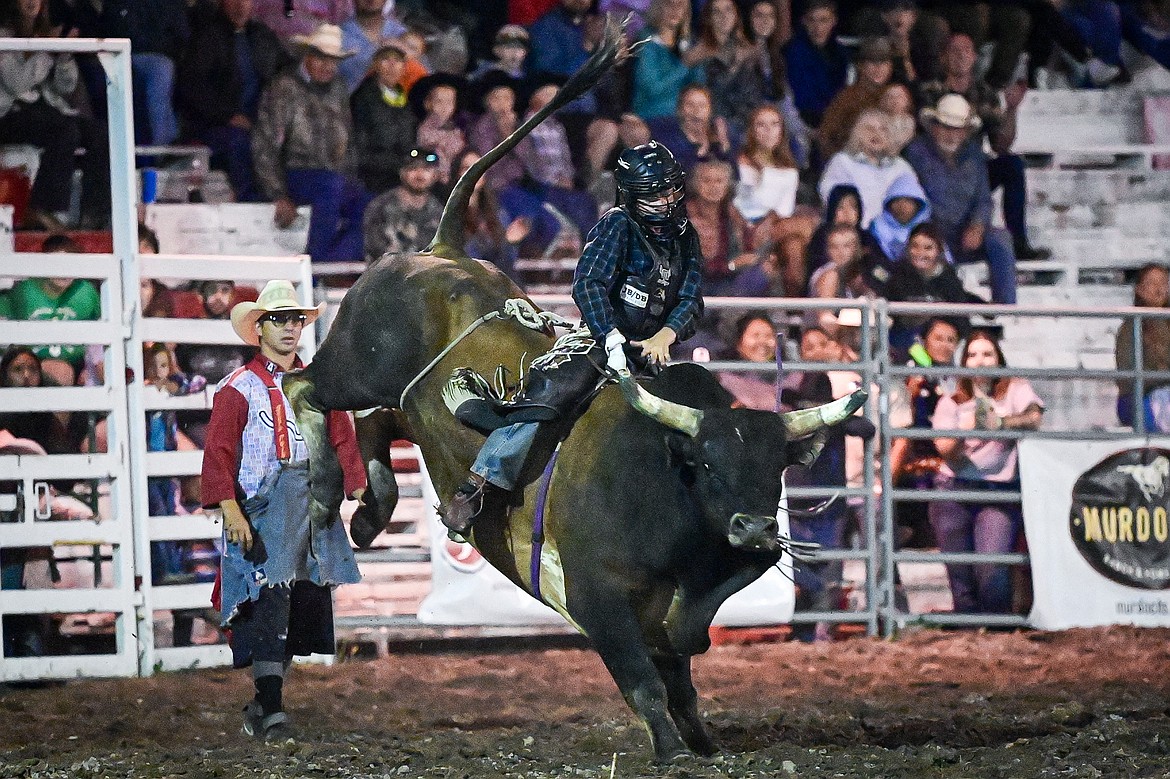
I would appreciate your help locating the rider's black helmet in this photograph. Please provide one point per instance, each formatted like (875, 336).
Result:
(650, 186)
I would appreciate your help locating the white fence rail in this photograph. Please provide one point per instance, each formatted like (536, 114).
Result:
(122, 530)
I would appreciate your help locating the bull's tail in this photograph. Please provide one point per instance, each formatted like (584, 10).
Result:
(450, 238)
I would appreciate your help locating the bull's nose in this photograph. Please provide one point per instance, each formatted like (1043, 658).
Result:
(754, 532)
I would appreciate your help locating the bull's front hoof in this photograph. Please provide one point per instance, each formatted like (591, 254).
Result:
(365, 526)
(675, 757)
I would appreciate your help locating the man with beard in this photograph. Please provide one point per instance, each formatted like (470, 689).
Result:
(404, 219)
(302, 149)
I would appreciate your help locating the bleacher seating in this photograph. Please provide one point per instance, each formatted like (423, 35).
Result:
(1096, 198)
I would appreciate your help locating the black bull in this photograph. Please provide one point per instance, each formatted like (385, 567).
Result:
(641, 516)
(648, 529)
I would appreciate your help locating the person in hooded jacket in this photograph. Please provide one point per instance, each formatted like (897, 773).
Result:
(842, 207)
(905, 207)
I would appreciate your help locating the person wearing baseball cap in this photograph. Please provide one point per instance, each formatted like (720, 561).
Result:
(510, 48)
(405, 218)
(276, 574)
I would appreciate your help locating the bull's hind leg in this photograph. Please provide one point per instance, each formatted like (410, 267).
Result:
(683, 702)
(611, 625)
(326, 485)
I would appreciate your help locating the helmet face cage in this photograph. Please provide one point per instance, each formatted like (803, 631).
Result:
(650, 186)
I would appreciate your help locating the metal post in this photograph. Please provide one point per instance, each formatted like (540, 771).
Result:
(873, 574)
(1139, 382)
(124, 198)
(883, 547)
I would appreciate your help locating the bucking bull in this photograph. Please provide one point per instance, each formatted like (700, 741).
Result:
(661, 505)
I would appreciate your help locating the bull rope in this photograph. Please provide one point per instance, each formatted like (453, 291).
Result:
(514, 308)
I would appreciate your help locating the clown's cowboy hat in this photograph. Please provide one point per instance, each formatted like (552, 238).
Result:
(277, 296)
(325, 41)
(952, 111)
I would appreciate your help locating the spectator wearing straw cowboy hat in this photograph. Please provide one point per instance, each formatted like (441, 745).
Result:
(302, 148)
(952, 167)
(275, 581)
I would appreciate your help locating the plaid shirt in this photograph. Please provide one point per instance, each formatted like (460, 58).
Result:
(612, 252)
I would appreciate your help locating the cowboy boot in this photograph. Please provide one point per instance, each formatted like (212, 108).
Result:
(470, 500)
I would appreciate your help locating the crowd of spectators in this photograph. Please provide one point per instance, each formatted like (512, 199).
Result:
(328, 103)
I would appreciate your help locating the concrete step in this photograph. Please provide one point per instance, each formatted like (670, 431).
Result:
(1093, 187)
(1067, 119)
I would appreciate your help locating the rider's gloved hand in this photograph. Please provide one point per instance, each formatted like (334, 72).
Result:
(615, 356)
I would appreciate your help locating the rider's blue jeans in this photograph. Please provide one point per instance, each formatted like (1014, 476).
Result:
(503, 454)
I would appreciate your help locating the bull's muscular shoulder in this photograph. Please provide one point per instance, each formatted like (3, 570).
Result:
(692, 385)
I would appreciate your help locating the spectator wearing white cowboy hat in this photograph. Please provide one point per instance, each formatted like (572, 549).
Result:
(952, 168)
(275, 582)
(302, 148)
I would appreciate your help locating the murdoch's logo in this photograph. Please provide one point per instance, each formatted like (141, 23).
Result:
(1119, 517)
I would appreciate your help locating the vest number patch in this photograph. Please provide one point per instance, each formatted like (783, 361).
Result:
(633, 296)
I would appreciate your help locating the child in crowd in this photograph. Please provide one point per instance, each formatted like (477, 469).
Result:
(436, 100)
(905, 208)
(162, 426)
(843, 207)
(499, 119)
(923, 275)
(168, 559)
(510, 49)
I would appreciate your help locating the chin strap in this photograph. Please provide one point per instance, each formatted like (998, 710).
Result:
(514, 308)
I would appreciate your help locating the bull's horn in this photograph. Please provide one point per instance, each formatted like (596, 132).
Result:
(682, 418)
(809, 420)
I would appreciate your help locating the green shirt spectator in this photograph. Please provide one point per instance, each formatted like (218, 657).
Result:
(53, 299)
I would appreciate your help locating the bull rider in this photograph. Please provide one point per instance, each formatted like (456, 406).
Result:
(639, 289)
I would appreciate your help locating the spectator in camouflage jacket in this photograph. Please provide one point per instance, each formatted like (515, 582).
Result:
(301, 149)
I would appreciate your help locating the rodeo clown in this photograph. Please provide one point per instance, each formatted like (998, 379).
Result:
(276, 571)
(638, 287)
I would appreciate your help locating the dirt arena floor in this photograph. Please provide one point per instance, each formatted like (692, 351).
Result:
(1083, 703)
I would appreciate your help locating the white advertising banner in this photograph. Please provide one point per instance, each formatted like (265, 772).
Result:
(466, 590)
(1098, 537)
(244, 229)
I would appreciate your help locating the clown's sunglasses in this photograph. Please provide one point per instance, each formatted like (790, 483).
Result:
(280, 320)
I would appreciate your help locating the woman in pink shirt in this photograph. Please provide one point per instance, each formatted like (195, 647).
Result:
(981, 403)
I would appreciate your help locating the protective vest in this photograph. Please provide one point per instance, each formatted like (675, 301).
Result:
(642, 302)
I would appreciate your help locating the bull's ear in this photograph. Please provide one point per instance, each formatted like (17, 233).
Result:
(682, 448)
(805, 451)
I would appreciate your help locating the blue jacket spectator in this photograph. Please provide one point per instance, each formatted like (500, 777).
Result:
(904, 209)
(817, 67)
(559, 46)
(661, 69)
